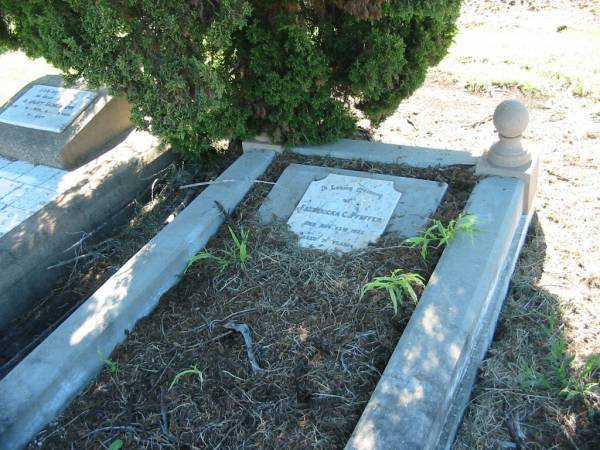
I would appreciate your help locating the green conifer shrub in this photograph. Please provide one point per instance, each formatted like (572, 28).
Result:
(197, 71)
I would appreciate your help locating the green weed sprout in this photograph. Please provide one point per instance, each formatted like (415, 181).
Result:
(112, 365)
(422, 241)
(397, 285)
(238, 252)
(241, 246)
(191, 371)
(439, 235)
(206, 254)
(116, 445)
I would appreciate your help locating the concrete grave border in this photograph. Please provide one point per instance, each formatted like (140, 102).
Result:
(44, 382)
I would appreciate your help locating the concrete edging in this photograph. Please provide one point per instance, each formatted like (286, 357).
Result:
(379, 152)
(52, 374)
(419, 400)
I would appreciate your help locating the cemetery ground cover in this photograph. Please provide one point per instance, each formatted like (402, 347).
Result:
(321, 347)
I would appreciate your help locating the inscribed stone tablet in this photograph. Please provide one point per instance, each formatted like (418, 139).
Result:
(343, 213)
(47, 108)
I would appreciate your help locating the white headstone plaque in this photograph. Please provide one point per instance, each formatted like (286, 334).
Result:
(343, 213)
(47, 108)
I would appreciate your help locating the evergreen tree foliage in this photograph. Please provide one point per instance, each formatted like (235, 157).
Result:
(197, 71)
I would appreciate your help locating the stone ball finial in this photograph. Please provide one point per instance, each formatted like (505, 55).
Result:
(510, 119)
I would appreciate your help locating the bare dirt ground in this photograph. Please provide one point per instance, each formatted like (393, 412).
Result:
(559, 271)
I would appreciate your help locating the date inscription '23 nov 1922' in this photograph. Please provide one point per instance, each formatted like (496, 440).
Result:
(342, 213)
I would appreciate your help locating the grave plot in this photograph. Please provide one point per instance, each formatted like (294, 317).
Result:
(260, 341)
(319, 346)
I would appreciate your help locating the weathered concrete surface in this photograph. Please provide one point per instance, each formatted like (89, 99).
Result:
(483, 337)
(388, 153)
(91, 195)
(46, 380)
(419, 200)
(104, 119)
(412, 406)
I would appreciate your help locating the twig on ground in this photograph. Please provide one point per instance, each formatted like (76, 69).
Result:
(246, 333)
(74, 259)
(164, 419)
(113, 428)
(207, 183)
(180, 207)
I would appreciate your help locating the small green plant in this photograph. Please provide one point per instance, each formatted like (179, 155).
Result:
(112, 365)
(116, 445)
(237, 252)
(397, 285)
(206, 254)
(423, 242)
(191, 371)
(240, 251)
(439, 235)
(560, 376)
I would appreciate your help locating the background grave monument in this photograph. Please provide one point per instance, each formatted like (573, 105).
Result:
(50, 123)
(342, 210)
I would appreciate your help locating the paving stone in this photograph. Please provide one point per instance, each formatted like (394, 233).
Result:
(15, 169)
(59, 183)
(4, 162)
(40, 174)
(29, 198)
(7, 186)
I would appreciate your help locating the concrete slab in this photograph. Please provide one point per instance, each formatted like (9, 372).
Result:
(419, 199)
(46, 380)
(91, 195)
(100, 121)
(387, 153)
(411, 405)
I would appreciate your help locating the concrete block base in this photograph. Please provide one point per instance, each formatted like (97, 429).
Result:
(419, 200)
(529, 174)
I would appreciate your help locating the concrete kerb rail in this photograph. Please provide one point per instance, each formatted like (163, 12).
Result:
(421, 396)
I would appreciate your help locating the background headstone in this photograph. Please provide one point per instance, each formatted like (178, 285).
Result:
(47, 108)
(50, 123)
